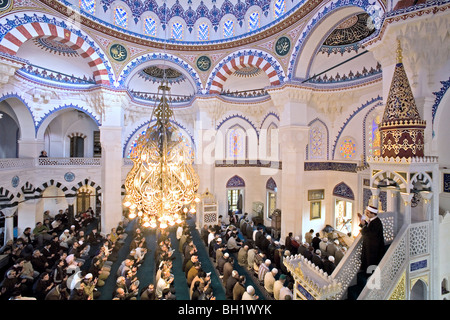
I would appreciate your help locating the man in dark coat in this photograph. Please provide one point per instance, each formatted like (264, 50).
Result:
(372, 238)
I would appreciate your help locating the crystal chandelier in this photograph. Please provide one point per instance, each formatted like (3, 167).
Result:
(162, 183)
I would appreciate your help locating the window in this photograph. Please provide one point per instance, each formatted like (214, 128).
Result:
(279, 8)
(271, 196)
(88, 6)
(76, 147)
(150, 27)
(373, 137)
(228, 29)
(203, 32)
(253, 21)
(177, 31)
(121, 17)
(235, 194)
(236, 143)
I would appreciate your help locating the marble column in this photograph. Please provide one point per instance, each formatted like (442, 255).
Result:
(29, 213)
(9, 222)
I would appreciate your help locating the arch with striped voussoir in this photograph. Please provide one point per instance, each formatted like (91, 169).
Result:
(40, 190)
(267, 64)
(388, 178)
(422, 180)
(12, 41)
(76, 134)
(28, 191)
(6, 198)
(86, 182)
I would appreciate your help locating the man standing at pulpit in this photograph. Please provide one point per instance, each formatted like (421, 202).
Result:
(372, 238)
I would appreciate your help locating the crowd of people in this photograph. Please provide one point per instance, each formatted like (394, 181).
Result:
(61, 258)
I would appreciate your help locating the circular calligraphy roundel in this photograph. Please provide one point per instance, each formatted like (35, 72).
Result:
(282, 46)
(118, 52)
(203, 63)
(5, 5)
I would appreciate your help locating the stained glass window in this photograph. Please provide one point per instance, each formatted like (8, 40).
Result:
(203, 32)
(279, 8)
(88, 6)
(316, 138)
(177, 31)
(150, 27)
(373, 137)
(121, 17)
(236, 143)
(228, 29)
(347, 148)
(253, 21)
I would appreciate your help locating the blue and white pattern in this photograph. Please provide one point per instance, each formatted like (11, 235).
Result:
(177, 31)
(69, 176)
(253, 21)
(235, 182)
(150, 26)
(203, 32)
(88, 6)
(344, 191)
(121, 17)
(279, 8)
(228, 29)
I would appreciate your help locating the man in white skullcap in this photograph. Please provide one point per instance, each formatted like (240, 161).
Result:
(249, 294)
(372, 237)
(269, 280)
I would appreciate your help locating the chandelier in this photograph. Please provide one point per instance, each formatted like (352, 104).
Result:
(162, 184)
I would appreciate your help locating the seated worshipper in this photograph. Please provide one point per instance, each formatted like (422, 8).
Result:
(317, 259)
(286, 292)
(42, 286)
(233, 244)
(263, 269)
(328, 265)
(230, 285)
(193, 272)
(340, 252)
(205, 281)
(227, 269)
(269, 280)
(11, 283)
(278, 285)
(65, 239)
(148, 293)
(249, 294)
(94, 238)
(309, 253)
(252, 252)
(197, 291)
(243, 256)
(59, 272)
(239, 288)
(39, 262)
(265, 243)
(58, 292)
(221, 262)
(164, 283)
(190, 263)
(41, 233)
(258, 261)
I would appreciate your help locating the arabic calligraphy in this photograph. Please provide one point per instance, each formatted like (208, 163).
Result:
(282, 46)
(203, 63)
(118, 52)
(5, 5)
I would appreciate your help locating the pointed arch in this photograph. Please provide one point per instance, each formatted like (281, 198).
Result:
(318, 136)
(235, 182)
(344, 191)
(40, 190)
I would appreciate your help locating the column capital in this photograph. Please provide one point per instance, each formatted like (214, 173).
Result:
(289, 93)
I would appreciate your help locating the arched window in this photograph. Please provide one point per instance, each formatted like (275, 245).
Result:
(271, 196)
(373, 136)
(150, 26)
(228, 29)
(177, 31)
(235, 194)
(253, 21)
(77, 145)
(88, 6)
(203, 32)
(279, 8)
(343, 207)
(236, 143)
(121, 17)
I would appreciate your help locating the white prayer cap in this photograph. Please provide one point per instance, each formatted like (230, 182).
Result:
(277, 242)
(80, 242)
(88, 276)
(287, 253)
(318, 251)
(219, 240)
(67, 230)
(297, 238)
(226, 255)
(250, 290)
(274, 270)
(268, 237)
(336, 241)
(267, 262)
(372, 209)
(325, 239)
(331, 258)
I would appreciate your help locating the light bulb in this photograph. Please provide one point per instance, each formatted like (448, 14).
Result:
(132, 215)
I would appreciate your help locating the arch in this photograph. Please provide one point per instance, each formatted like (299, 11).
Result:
(242, 59)
(344, 191)
(363, 106)
(380, 177)
(6, 195)
(133, 65)
(126, 145)
(235, 182)
(313, 32)
(28, 191)
(271, 184)
(39, 190)
(23, 113)
(43, 123)
(86, 182)
(370, 115)
(36, 26)
(419, 290)
(423, 178)
(267, 116)
(441, 97)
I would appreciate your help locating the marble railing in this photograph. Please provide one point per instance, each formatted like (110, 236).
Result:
(16, 163)
(68, 161)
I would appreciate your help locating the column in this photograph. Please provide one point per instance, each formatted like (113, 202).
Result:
(30, 212)
(70, 198)
(292, 104)
(112, 104)
(9, 222)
